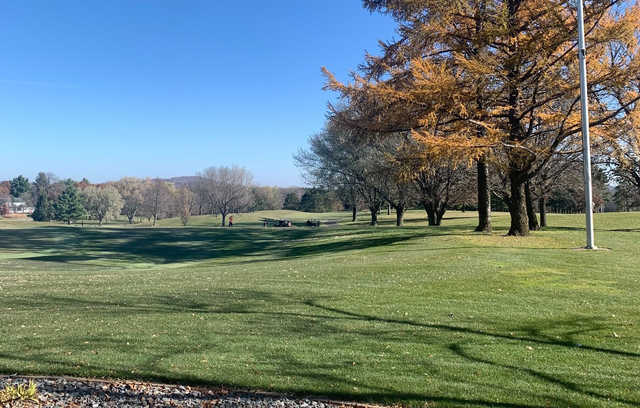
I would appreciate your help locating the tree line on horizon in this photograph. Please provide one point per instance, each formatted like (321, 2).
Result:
(359, 183)
(217, 191)
(486, 91)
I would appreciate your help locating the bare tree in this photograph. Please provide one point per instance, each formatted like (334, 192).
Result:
(335, 159)
(228, 188)
(200, 189)
(157, 199)
(131, 190)
(184, 203)
(442, 185)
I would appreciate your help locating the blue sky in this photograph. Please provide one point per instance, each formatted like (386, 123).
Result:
(105, 89)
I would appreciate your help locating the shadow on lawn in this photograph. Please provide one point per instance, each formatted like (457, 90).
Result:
(175, 245)
(581, 228)
(277, 316)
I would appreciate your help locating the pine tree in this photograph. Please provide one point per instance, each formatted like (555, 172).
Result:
(291, 202)
(19, 186)
(43, 210)
(69, 206)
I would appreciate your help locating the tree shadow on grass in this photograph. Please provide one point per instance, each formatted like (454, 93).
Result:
(279, 315)
(535, 334)
(564, 228)
(178, 245)
(570, 386)
(289, 367)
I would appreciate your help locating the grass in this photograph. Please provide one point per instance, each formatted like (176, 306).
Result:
(418, 315)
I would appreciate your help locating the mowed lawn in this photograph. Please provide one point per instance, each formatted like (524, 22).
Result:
(412, 315)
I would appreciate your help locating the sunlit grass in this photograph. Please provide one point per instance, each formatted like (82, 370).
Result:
(392, 315)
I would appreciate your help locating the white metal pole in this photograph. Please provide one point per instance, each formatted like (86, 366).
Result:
(586, 146)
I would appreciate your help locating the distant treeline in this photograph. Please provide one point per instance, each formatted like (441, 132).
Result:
(216, 191)
(220, 191)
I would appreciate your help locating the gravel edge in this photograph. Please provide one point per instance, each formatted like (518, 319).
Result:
(67, 391)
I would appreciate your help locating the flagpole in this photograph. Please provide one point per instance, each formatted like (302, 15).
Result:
(586, 146)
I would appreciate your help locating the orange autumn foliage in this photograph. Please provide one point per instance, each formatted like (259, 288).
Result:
(500, 78)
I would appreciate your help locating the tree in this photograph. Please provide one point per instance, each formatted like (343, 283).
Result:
(347, 192)
(626, 196)
(131, 191)
(411, 45)
(625, 160)
(102, 203)
(318, 201)
(19, 186)
(4, 208)
(336, 157)
(5, 188)
(499, 80)
(567, 192)
(200, 189)
(442, 185)
(157, 199)
(228, 188)
(265, 198)
(40, 192)
(291, 202)
(184, 202)
(322, 167)
(69, 206)
(43, 210)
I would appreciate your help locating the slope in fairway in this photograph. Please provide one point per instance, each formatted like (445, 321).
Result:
(389, 315)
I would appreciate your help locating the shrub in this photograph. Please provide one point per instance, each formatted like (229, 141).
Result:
(20, 392)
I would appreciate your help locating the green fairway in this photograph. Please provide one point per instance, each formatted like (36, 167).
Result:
(411, 315)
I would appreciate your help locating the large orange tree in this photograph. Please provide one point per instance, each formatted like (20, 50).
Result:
(498, 80)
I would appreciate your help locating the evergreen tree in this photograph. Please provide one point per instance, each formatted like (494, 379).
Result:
(43, 210)
(314, 200)
(69, 206)
(291, 202)
(308, 202)
(19, 186)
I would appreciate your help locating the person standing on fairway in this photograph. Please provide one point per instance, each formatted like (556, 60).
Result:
(231, 220)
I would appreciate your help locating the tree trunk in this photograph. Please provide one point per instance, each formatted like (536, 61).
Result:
(440, 214)
(374, 215)
(431, 214)
(484, 197)
(543, 211)
(155, 218)
(399, 216)
(531, 211)
(224, 217)
(388, 209)
(517, 205)
(434, 215)
(354, 213)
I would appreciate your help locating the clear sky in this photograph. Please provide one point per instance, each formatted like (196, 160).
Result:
(105, 89)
